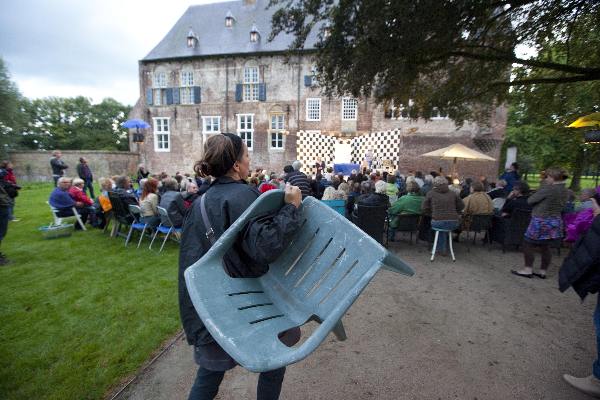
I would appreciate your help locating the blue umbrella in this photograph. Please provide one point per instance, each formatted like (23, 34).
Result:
(135, 123)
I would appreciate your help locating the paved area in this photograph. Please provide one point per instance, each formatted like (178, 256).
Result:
(464, 330)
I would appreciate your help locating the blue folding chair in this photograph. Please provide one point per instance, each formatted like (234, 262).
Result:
(337, 205)
(137, 225)
(166, 229)
(324, 269)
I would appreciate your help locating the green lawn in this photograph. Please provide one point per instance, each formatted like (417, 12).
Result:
(586, 182)
(78, 313)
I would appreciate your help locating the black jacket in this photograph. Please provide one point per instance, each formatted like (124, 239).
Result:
(581, 268)
(172, 201)
(58, 166)
(261, 242)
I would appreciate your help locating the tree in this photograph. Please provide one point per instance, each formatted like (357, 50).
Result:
(540, 112)
(10, 108)
(74, 124)
(455, 55)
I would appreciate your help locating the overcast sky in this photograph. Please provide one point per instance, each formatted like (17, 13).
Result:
(83, 47)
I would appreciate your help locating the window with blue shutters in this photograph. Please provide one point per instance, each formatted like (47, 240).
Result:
(149, 96)
(176, 96)
(262, 92)
(197, 94)
(169, 96)
(308, 80)
(238, 92)
(159, 89)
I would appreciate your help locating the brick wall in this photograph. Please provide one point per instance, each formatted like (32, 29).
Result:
(35, 165)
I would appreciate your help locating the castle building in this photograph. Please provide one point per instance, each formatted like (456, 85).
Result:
(215, 71)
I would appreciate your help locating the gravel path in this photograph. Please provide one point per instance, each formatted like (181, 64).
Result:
(464, 330)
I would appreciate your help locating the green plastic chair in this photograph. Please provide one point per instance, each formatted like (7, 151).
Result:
(326, 266)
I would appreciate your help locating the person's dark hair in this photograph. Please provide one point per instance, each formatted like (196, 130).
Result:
(178, 178)
(329, 169)
(391, 178)
(335, 182)
(477, 186)
(515, 166)
(356, 187)
(318, 177)
(4, 164)
(419, 174)
(81, 159)
(120, 181)
(288, 168)
(220, 154)
(522, 187)
(433, 173)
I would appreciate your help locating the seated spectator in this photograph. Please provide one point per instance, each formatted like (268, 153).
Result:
(328, 194)
(578, 223)
(149, 203)
(427, 185)
(335, 182)
(498, 190)
(454, 185)
(352, 196)
(466, 188)
(444, 207)
(370, 198)
(410, 203)
(266, 186)
(328, 176)
(570, 205)
(392, 189)
(77, 192)
(343, 191)
(64, 203)
(478, 202)
(102, 203)
(419, 178)
(172, 201)
(517, 199)
(124, 190)
(190, 194)
(585, 199)
(204, 185)
(299, 179)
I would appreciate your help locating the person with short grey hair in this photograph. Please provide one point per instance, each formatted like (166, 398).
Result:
(299, 179)
(585, 198)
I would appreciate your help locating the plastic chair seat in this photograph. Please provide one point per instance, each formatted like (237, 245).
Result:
(325, 267)
(337, 205)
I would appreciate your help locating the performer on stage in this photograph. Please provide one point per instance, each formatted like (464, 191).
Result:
(369, 157)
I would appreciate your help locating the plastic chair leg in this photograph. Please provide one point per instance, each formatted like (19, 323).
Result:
(450, 243)
(435, 242)
(339, 331)
(79, 221)
(129, 234)
(141, 237)
(165, 240)
(152, 241)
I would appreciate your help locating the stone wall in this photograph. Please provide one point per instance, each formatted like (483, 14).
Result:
(35, 165)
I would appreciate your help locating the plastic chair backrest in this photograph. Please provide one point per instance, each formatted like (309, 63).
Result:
(371, 219)
(136, 212)
(325, 267)
(337, 205)
(516, 226)
(121, 213)
(480, 222)
(407, 222)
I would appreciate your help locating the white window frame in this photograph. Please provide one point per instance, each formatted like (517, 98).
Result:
(186, 80)
(251, 82)
(208, 122)
(277, 128)
(159, 80)
(243, 132)
(309, 109)
(159, 131)
(349, 114)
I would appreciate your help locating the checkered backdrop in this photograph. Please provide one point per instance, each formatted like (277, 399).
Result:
(313, 145)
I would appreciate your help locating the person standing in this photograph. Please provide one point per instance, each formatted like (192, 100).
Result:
(546, 225)
(226, 158)
(581, 270)
(5, 203)
(511, 176)
(85, 173)
(58, 166)
(9, 181)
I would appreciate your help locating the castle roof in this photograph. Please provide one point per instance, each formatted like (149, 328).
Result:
(214, 38)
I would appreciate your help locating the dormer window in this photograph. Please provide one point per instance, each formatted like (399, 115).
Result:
(254, 34)
(192, 39)
(229, 19)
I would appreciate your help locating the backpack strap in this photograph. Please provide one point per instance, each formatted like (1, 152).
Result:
(210, 233)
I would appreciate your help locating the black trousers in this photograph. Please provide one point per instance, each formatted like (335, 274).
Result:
(206, 385)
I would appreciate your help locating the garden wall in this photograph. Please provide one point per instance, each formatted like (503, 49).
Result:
(35, 165)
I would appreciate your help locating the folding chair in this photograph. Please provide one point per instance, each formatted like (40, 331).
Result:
(121, 215)
(371, 219)
(166, 229)
(406, 223)
(137, 224)
(325, 267)
(337, 205)
(479, 223)
(59, 220)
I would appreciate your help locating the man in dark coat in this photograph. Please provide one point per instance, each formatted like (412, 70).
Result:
(85, 173)
(581, 270)
(172, 201)
(58, 166)
(299, 179)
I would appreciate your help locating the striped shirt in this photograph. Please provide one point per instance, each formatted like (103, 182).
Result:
(298, 178)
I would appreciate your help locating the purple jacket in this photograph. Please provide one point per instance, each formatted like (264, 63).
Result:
(60, 199)
(579, 224)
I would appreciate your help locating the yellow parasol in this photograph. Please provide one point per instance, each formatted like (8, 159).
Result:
(458, 151)
(592, 119)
